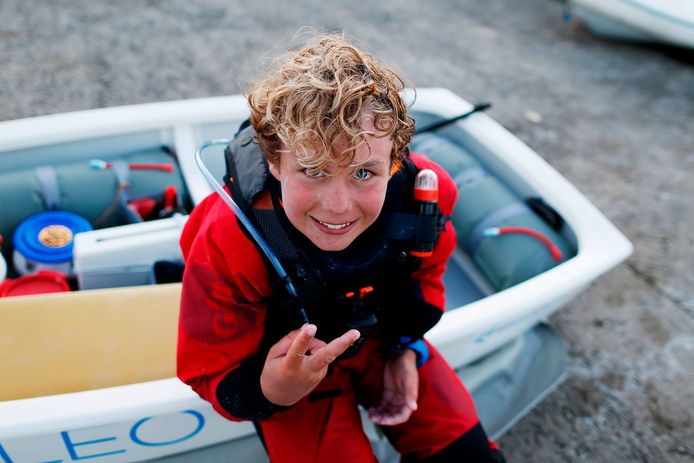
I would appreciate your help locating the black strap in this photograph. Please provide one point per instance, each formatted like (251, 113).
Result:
(437, 125)
(406, 227)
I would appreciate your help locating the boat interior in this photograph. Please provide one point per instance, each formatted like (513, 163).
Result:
(115, 322)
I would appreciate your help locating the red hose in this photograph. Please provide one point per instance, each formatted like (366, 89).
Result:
(553, 249)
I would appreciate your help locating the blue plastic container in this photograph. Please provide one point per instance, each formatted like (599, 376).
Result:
(45, 240)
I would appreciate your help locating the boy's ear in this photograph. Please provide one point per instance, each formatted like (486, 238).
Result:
(274, 169)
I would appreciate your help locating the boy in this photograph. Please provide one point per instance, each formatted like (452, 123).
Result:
(323, 172)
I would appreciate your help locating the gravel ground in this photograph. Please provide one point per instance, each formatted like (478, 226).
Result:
(615, 119)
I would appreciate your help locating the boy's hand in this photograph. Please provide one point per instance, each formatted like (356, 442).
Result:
(289, 373)
(400, 389)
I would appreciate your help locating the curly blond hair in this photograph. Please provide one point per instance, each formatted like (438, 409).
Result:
(322, 92)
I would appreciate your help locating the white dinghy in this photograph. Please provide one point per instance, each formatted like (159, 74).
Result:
(90, 373)
(666, 21)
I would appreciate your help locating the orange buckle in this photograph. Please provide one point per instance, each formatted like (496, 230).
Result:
(364, 291)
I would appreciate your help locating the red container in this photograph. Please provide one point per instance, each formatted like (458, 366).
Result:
(45, 281)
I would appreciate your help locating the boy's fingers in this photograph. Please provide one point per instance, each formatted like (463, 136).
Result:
(315, 345)
(297, 350)
(389, 415)
(327, 355)
(282, 346)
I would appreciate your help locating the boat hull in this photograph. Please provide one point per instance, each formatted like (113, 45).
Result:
(666, 21)
(159, 415)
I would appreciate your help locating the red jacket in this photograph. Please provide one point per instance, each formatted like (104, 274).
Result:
(225, 284)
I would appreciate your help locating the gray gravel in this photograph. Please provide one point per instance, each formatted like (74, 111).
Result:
(616, 120)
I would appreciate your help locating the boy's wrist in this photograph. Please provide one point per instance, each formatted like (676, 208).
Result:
(417, 346)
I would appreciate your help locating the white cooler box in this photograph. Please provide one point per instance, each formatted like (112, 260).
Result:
(125, 255)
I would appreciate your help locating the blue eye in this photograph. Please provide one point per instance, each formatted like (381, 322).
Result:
(362, 174)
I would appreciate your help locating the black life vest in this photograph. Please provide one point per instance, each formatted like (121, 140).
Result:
(360, 287)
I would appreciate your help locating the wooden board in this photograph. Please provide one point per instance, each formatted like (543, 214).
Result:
(68, 342)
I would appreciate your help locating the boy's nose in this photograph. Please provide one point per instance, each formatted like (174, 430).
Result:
(337, 199)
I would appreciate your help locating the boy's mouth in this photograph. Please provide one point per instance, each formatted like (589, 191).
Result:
(333, 227)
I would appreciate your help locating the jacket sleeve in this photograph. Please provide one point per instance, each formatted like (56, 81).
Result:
(426, 290)
(222, 313)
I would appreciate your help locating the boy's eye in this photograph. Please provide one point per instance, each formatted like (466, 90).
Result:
(314, 174)
(362, 174)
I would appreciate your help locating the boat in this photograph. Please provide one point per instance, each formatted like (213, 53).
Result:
(90, 373)
(665, 21)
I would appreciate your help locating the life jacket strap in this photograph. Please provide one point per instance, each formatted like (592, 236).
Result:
(411, 227)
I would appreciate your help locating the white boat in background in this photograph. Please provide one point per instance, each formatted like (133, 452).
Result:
(90, 374)
(666, 21)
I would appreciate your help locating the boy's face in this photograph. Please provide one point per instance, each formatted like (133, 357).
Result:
(334, 207)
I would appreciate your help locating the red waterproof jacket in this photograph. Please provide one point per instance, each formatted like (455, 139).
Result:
(226, 284)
